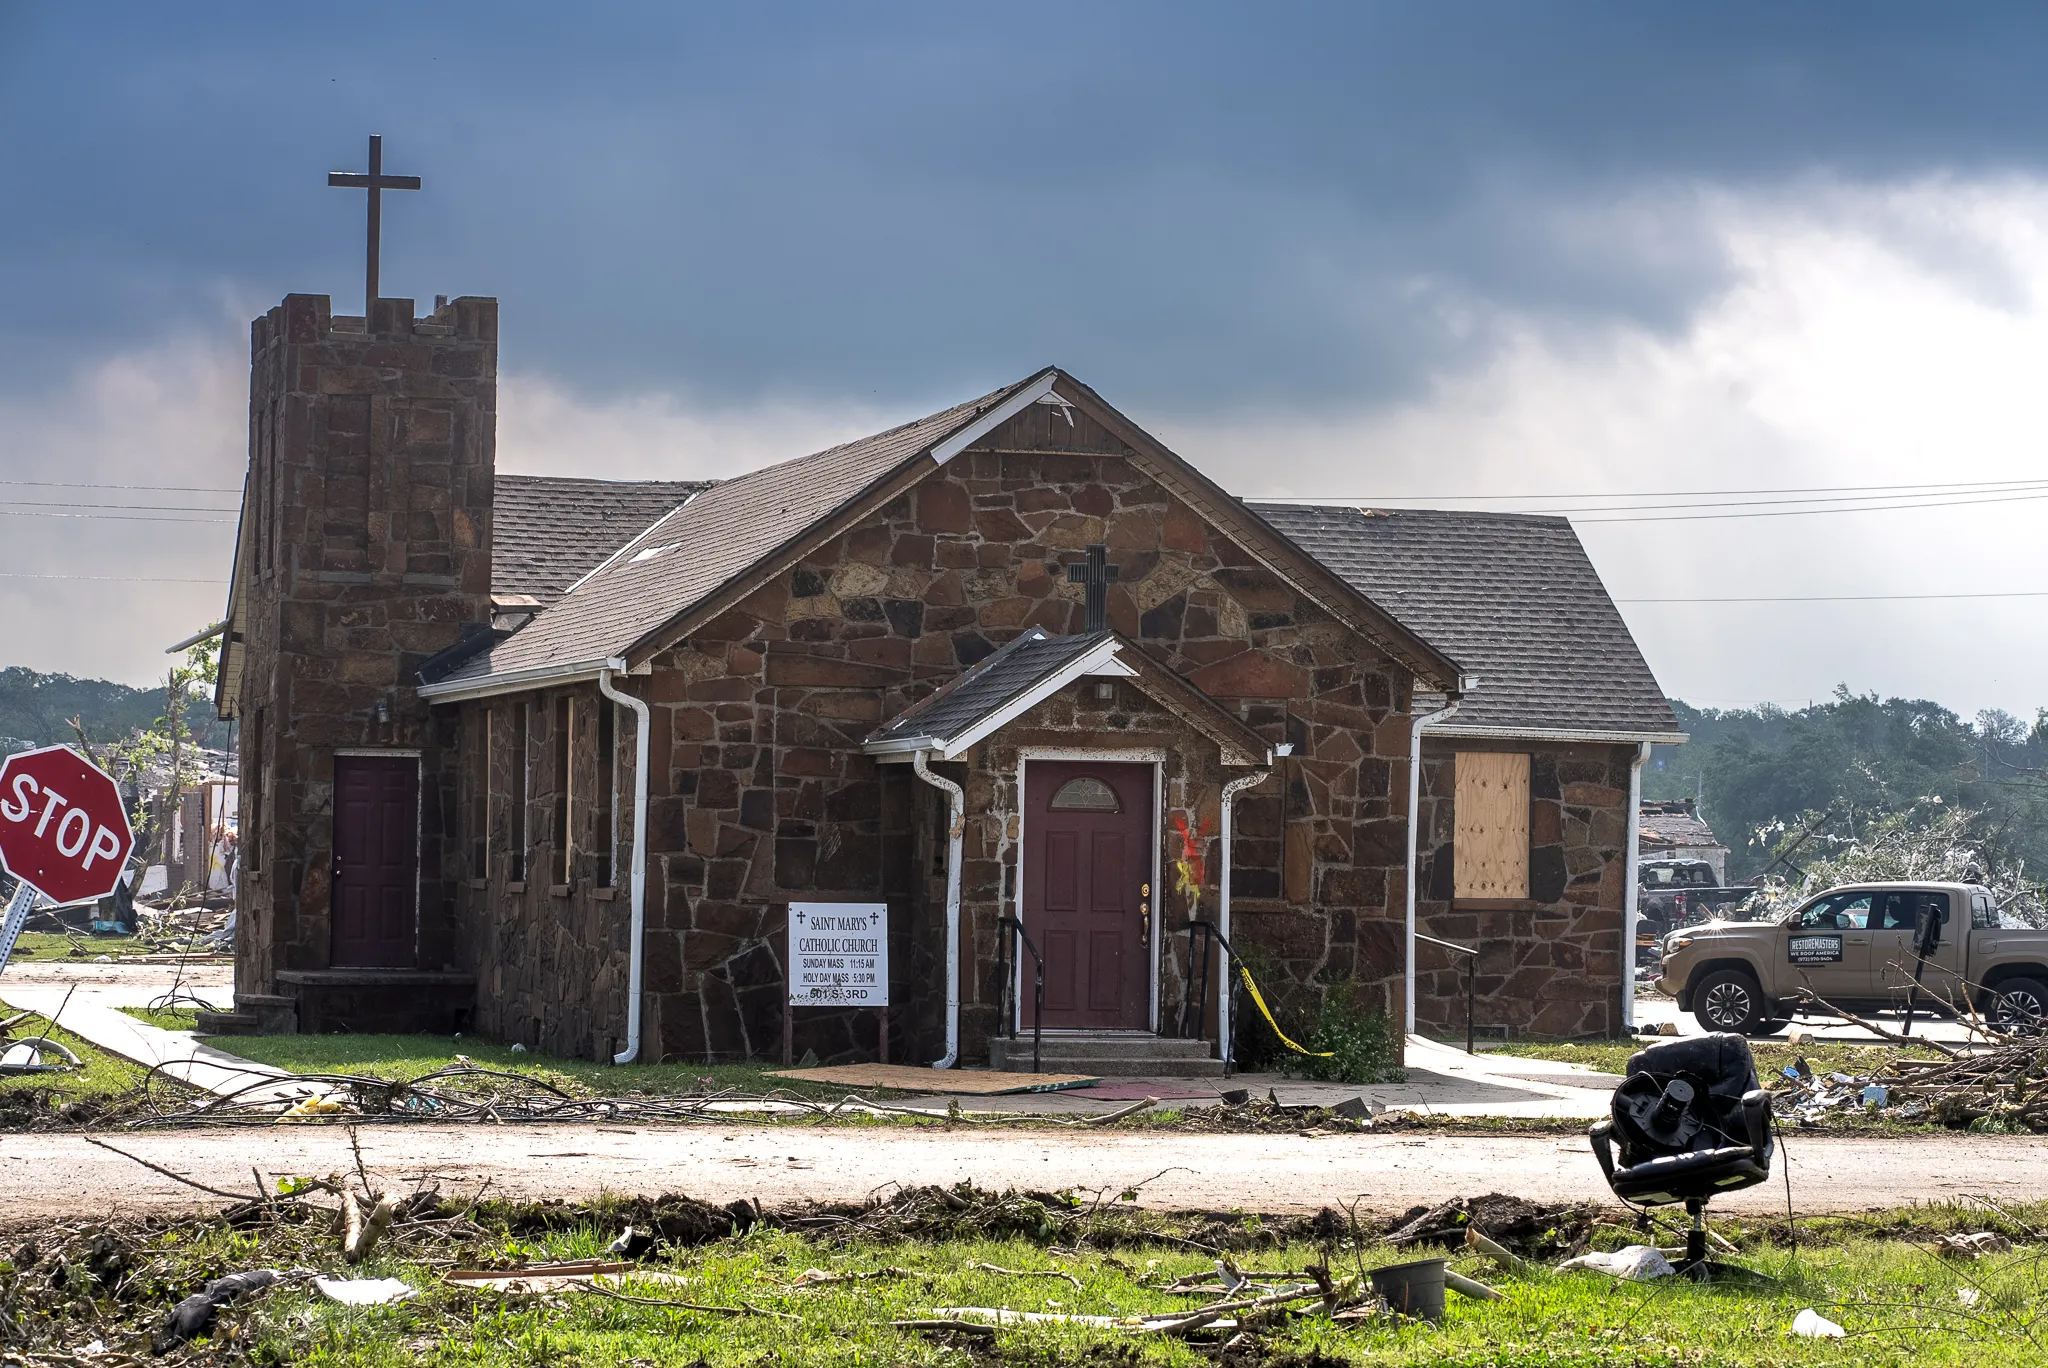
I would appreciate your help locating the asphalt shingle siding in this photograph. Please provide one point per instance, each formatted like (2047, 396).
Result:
(547, 532)
(984, 689)
(1511, 597)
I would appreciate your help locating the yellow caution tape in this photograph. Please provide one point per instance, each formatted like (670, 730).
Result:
(1267, 1013)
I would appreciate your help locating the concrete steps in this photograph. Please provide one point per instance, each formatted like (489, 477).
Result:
(1108, 1056)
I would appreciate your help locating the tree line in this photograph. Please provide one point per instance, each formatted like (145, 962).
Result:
(1769, 779)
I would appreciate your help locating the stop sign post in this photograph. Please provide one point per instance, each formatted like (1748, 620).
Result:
(63, 832)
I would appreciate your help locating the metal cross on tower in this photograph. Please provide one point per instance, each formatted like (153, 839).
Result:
(376, 182)
(1097, 574)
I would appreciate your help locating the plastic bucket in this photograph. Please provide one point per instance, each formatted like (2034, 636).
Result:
(1413, 1289)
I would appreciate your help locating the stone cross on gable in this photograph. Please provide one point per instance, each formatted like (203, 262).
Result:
(376, 182)
(1097, 574)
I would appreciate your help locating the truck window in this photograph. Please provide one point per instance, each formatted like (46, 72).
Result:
(1901, 911)
(1841, 912)
(1983, 914)
(1703, 877)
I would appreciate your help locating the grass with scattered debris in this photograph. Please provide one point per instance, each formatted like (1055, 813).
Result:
(53, 945)
(105, 1084)
(1771, 1055)
(409, 1056)
(168, 1019)
(790, 1289)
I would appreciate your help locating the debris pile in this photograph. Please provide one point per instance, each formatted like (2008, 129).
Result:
(1524, 1228)
(2004, 1087)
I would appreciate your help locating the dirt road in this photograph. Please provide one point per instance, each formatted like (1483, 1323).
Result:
(46, 1176)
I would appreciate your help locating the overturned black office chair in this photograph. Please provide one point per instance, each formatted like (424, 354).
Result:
(1691, 1123)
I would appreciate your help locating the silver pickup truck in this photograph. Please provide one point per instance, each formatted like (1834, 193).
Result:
(1856, 946)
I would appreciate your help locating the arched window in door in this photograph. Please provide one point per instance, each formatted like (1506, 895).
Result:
(1085, 794)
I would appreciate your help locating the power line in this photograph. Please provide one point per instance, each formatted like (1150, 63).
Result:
(1958, 486)
(109, 579)
(1873, 500)
(1803, 512)
(148, 507)
(95, 484)
(1846, 598)
(116, 517)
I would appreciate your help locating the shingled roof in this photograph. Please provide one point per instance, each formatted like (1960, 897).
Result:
(1028, 669)
(1512, 597)
(549, 531)
(684, 558)
(981, 691)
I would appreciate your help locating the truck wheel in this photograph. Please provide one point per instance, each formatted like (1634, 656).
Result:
(1729, 1000)
(2019, 1005)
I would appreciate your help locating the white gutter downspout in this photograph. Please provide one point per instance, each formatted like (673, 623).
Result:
(1632, 900)
(1414, 808)
(956, 802)
(1230, 792)
(638, 934)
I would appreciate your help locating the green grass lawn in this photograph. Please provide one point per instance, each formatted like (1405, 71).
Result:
(169, 1019)
(104, 1076)
(1898, 1301)
(1771, 1056)
(50, 945)
(408, 1056)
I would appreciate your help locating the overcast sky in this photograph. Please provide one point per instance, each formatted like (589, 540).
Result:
(1351, 251)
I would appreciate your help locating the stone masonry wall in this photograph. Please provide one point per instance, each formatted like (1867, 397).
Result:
(759, 793)
(1549, 965)
(371, 455)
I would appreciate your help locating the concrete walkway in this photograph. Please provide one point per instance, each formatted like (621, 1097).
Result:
(1442, 1079)
(93, 1013)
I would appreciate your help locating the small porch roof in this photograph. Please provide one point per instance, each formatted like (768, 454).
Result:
(1032, 668)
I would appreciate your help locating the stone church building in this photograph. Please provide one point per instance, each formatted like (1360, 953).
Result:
(549, 759)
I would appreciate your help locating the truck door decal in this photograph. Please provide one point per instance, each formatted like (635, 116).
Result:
(1812, 949)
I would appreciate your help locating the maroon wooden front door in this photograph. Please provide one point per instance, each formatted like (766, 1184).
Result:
(375, 901)
(1088, 836)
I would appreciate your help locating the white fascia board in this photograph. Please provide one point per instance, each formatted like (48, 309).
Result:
(993, 419)
(899, 748)
(1555, 734)
(518, 681)
(1091, 662)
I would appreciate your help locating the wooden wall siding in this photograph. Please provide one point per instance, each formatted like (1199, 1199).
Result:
(1549, 964)
(1492, 835)
(759, 790)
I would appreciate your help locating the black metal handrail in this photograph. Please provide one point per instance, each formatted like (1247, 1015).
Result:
(1471, 962)
(1196, 1001)
(1006, 963)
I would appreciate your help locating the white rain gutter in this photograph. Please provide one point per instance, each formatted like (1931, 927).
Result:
(1414, 809)
(956, 802)
(1230, 792)
(1633, 898)
(636, 949)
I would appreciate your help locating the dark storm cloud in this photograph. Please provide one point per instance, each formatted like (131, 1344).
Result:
(1213, 204)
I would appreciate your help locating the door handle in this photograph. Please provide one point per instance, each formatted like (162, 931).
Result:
(337, 869)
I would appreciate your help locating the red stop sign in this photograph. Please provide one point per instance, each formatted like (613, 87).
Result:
(63, 830)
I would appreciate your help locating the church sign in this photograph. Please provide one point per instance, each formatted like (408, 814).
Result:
(838, 954)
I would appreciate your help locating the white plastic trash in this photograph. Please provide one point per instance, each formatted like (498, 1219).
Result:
(1811, 1324)
(1636, 1263)
(364, 1291)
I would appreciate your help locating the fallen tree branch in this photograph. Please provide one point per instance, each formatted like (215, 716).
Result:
(1026, 1273)
(1876, 1029)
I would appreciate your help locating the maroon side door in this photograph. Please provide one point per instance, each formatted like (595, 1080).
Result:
(1088, 835)
(375, 902)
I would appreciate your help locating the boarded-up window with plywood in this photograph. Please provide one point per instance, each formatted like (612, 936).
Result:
(1492, 825)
